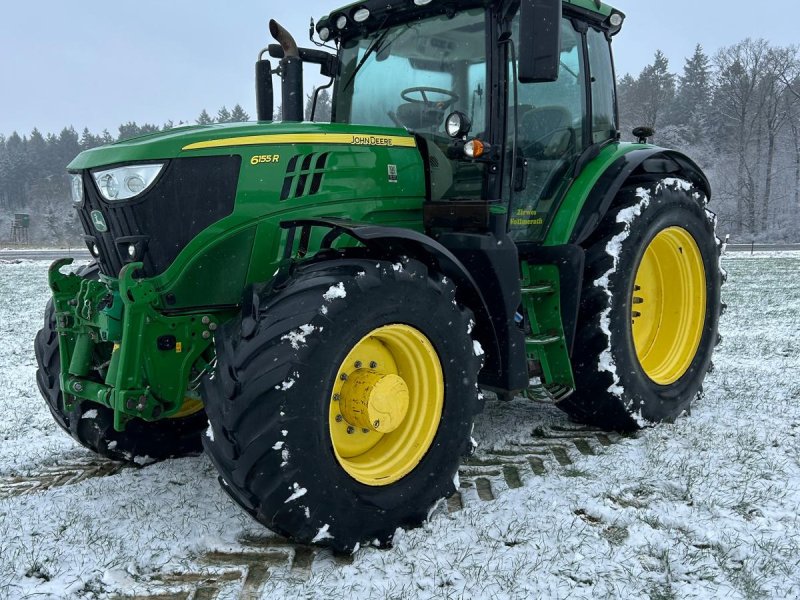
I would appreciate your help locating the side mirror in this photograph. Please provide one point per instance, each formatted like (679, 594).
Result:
(540, 40)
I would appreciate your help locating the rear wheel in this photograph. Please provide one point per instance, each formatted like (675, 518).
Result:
(92, 424)
(649, 310)
(344, 414)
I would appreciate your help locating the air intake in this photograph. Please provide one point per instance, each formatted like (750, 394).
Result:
(304, 175)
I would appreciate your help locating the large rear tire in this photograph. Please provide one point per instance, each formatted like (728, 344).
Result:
(92, 424)
(650, 308)
(342, 415)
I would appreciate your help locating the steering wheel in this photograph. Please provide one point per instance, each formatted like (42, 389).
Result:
(451, 97)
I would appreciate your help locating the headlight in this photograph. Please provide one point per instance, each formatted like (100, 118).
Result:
(77, 188)
(457, 125)
(124, 183)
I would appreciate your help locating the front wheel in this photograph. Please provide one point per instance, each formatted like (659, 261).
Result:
(649, 310)
(344, 415)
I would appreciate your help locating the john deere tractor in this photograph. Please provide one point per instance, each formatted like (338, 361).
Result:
(318, 306)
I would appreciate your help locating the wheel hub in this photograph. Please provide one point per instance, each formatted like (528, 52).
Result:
(386, 404)
(374, 401)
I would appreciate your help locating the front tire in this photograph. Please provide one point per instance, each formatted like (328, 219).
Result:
(650, 308)
(344, 415)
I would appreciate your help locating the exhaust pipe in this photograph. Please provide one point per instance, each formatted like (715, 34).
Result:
(284, 38)
(291, 73)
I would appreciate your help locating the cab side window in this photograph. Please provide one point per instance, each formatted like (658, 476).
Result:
(604, 118)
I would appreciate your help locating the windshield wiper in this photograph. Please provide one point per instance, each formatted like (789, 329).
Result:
(370, 50)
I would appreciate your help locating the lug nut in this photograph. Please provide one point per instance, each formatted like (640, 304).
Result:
(343, 376)
(212, 326)
(205, 320)
(336, 397)
(373, 365)
(339, 418)
(206, 335)
(350, 429)
(365, 430)
(376, 424)
(358, 364)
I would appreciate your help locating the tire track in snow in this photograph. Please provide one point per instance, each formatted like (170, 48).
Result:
(483, 478)
(60, 475)
(244, 572)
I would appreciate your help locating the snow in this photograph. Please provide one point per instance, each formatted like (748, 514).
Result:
(335, 291)
(299, 492)
(477, 348)
(397, 267)
(703, 508)
(298, 336)
(322, 534)
(613, 249)
(285, 385)
(90, 414)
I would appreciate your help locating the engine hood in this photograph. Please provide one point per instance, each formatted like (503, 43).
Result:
(227, 138)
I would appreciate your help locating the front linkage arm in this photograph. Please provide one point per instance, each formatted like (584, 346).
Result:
(118, 350)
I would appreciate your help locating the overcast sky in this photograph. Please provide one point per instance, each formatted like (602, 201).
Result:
(97, 63)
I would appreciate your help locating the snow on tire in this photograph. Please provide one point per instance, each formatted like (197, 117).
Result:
(274, 405)
(634, 363)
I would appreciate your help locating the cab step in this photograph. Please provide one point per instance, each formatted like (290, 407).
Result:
(548, 393)
(542, 339)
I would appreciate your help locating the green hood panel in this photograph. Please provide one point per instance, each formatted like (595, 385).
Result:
(188, 141)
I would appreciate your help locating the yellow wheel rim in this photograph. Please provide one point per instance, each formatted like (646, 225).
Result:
(191, 404)
(386, 405)
(669, 305)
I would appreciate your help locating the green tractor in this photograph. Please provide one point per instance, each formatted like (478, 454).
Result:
(317, 306)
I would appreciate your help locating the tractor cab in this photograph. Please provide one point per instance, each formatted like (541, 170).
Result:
(506, 98)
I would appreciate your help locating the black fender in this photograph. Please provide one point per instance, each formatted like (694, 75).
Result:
(647, 161)
(502, 341)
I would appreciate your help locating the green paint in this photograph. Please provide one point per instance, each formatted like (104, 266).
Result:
(541, 299)
(570, 209)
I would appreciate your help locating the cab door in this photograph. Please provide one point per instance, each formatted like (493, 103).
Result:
(548, 129)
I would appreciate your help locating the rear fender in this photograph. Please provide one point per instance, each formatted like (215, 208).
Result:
(647, 161)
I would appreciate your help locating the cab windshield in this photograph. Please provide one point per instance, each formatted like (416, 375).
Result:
(413, 76)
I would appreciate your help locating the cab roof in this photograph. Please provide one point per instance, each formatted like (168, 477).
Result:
(595, 6)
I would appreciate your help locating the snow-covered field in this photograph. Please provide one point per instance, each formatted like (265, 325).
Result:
(704, 508)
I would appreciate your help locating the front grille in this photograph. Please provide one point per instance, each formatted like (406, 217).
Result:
(190, 195)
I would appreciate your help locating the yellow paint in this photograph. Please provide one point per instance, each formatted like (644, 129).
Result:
(394, 141)
(191, 404)
(373, 400)
(669, 305)
(393, 376)
(261, 159)
(178, 347)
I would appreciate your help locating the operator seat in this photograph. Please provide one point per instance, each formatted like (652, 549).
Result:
(549, 128)
(546, 138)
